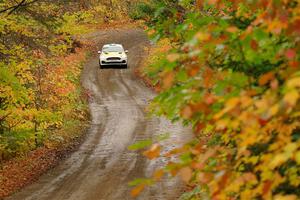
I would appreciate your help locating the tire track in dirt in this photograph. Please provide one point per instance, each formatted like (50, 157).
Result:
(102, 167)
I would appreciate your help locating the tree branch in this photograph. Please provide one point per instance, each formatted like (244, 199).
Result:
(2, 118)
(22, 3)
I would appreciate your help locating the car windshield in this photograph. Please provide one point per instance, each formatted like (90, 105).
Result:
(113, 49)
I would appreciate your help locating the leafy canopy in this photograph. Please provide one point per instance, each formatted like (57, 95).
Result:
(232, 72)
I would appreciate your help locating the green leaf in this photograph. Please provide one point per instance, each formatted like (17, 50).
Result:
(163, 137)
(140, 145)
(139, 181)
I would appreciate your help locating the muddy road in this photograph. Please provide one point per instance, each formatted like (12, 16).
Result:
(102, 166)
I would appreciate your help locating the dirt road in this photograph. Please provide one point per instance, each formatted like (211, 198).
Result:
(102, 167)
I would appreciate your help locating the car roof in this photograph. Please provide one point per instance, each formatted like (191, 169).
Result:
(112, 45)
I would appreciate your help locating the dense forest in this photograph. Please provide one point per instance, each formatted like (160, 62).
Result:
(231, 70)
(41, 102)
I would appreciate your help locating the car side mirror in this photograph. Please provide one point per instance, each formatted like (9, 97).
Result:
(99, 52)
(126, 51)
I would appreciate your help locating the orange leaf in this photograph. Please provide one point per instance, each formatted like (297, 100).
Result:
(223, 181)
(295, 27)
(173, 57)
(193, 71)
(176, 151)
(208, 74)
(232, 29)
(137, 190)
(158, 174)
(186, 174)
(294, 64)
(197, 165)
(267, 187)
(200, 107)
(205, 177)
(199, 4)
(254, 45)
(213, 2)
(168, 80)
(153, 152)
(187, 112)
(209, 99)
(199, 127)
(264, 79)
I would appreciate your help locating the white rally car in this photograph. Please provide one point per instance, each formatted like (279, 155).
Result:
(113, 55)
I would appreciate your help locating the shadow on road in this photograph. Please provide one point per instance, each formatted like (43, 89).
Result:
(114, 67)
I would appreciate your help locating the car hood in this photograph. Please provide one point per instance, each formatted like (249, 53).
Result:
(113, 54)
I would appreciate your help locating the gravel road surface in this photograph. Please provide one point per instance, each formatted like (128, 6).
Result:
(103, 166)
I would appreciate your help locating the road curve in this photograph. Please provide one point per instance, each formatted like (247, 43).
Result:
(102, 166)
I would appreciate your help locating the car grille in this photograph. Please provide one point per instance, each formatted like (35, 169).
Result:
(113, 58)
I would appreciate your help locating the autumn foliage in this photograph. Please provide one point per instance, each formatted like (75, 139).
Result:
(41, 101)
(232, 72)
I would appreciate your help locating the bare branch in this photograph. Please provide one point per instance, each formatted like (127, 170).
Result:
(22, 3)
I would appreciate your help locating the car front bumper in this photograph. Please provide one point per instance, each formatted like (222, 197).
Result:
(113, 62)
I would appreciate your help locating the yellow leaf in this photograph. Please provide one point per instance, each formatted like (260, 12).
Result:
(202, 36)
(231, 103)
(246, 101)
(291, 97)
(285, 197)
(290, 148)
(274, 110)
(295, 82)
(297, 157)
(222, 124)
(266, 174)
(186, 174)
(278, 160)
